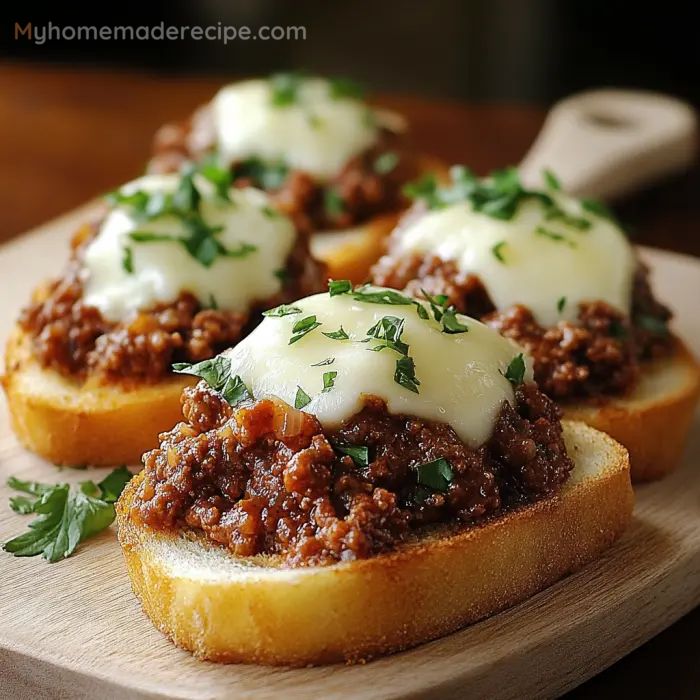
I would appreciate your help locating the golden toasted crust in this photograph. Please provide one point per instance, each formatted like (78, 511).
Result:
(653, 422)
(73, 424)
(248, 610)
(350, 254)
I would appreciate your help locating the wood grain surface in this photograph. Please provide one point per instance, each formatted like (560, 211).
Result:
(68, 136)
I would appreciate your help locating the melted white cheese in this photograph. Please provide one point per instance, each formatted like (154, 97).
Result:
(461, 376)
(536, 271)
(315, 133)
(163, 269)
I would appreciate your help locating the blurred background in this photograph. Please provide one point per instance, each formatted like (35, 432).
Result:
(504, 50)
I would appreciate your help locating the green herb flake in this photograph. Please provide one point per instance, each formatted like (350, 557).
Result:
(595, 206)
(336, 287)
(345, 89)
(405, 374)
(282, 274)
(324, 363)
(551, 180)
(333, 202)
(450, 323)
(436, 475)
(301, 399)
(561, 304)
(270, 213)
(128, 260)
(302, 328)
(216, 372)
(515, 373)
(385, 162)
(22, 504)
(388, 330)
(359, 454)
(370, 295)
(340, 334)
(268, 175)
(213, 304)
(554, 236)
(113, 484)
(282, 310)
(329, 381)
(284, 88)
(497, 251)
(315, 122)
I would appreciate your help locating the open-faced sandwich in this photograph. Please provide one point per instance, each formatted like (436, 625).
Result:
(559, 276)
(331, 162)
(178, 268)
(362, 473)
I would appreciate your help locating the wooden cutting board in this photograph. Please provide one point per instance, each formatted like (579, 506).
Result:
(74, 629)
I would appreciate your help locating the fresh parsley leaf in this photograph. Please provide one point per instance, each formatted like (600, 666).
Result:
(220, 178)
(553, 212)
(551, 180)
(372, 295)
(358, 453)
(561, 304)
(32, 487)
(270, 213)
(497, 251)
(282, 310)
(333, 202)
(386, 162)
(315, 122)
(515, 373)
(323, 363)
(113, 484)
(369, 118)
(421, 311)
(302, 328)
(284, 88)
(282, 274)
(653, 324)
(450, 322)
(128, 260)
(426, 189)
(595, 206)
(389, 329)
(345, 89)
(213, 304)
(266, 175)
(436, 475)
(216, 372)
(340, 334)
(329, 380)
(336, 287)
(436, 304)
(405, 374)
(554, 236)
(22, 504)
(302, 399)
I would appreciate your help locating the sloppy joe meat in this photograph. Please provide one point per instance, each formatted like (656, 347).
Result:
(599, 355)
(267, 479)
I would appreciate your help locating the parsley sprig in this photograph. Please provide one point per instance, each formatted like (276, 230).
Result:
(65, 516)
(218, 375)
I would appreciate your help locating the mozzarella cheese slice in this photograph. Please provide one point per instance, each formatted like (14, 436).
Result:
(544, 264)
(315, 133)
(161, 270)
(461, 376)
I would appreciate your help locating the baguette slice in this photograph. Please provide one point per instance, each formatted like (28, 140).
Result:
(69, 423)
(654, 421)
(231, 609)
(350, 253)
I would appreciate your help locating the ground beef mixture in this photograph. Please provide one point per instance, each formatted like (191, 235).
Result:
(76, 341)
(359, 191)
(599, 355)
(267, 479)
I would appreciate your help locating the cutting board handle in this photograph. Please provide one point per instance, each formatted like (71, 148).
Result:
(606, 143)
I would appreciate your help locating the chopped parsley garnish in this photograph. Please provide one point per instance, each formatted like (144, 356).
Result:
(266, 175)
(369, 118)
(515, 373)
(436, 475)
(217, 374)
(66, 516)
(389, 330)
(447, 316)
(497, 251)
(270, 213)
(336, 287)
(333, 202)
(554, 236)
(301, 399)
(597, 207)
(282, 310)
(282, 274)
(302, 328)
(284, 88)
(315, 122)
(385, 162)
(128, 260)
(345, 89)
(551, 180)
(329, 380)
(653, 324)
(405, 374)
(199, 239)
(340, 334)
(357, 453)
(371, 295)
(213, 304)
(323, 363)
(561, 304)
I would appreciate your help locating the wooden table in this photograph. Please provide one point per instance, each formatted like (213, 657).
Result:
(68, 136)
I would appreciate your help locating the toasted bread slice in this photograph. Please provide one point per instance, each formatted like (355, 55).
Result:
(72, 423)
(350, 253)
(231, 609)
(652, 422)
